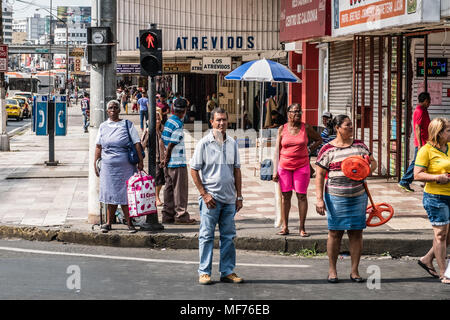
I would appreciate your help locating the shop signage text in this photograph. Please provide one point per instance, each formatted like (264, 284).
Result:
(215, 43)
(220, 64)
(3, 58)
(196, 66)
(303, 19)
(354, 16)
(176, 67)
(133, 68)
(437, 67)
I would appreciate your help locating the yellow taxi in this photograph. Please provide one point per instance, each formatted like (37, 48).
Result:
(23, 101)
(13, 109)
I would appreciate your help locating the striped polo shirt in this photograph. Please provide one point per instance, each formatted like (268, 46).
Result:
(330, 158)
(173, 133)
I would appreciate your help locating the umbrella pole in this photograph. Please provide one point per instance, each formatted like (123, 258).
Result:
(261, 98)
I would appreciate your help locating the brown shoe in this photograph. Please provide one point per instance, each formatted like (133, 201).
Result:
(189, 221)
(204, 279)
(232, 278)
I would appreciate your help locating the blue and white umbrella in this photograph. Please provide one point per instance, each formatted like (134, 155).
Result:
(263, 71)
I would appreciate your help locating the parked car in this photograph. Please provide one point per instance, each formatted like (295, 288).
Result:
(26, 94)
(26, 108)
(13, 109)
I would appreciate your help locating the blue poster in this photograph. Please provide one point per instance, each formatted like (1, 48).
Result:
(41, 115)
(60, 116)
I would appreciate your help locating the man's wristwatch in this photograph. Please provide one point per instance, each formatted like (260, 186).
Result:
(239, 198)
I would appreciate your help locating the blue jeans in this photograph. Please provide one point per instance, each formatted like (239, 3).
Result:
(224, 215)
(85, 120)
(408, 177)
(143, 114)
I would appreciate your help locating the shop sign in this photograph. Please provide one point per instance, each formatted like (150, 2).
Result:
(176, 67)
(133, 68)
(76, 52)
(303, 19)
(437, 67)
(77, 67)
(196, 66)
(3, 58)
(215, 43)
(217, 64)
(355, 16)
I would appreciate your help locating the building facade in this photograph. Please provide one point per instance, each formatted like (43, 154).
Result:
(7, 23)
(231, 31)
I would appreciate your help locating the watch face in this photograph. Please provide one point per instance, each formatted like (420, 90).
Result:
(97, 37)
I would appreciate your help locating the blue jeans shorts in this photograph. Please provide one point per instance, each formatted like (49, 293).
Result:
(438, 208)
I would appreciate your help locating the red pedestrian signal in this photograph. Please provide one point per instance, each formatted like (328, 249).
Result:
(150, 40)
(150, 52)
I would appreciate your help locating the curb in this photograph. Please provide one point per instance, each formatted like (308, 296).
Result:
(377, 246)
(17, 130)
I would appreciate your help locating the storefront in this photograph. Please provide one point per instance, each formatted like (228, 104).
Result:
(232, 31)
(302, 23)
(373, 55)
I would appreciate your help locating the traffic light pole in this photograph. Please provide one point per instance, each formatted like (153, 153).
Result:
(151, 221)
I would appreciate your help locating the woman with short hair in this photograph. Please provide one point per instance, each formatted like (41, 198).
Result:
(344, 199)
(432, 166)
(292, 167)
(112, 148)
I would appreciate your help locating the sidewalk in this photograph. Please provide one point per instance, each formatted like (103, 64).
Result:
(50, 203)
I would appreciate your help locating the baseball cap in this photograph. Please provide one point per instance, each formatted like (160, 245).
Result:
(180, 104)
(326, 114)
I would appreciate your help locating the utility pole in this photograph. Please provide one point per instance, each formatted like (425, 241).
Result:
(103, 15)
(4, 138)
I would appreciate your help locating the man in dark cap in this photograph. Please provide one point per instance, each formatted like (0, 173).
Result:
(175, 171)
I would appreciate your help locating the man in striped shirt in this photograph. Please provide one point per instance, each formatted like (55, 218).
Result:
(175, 171)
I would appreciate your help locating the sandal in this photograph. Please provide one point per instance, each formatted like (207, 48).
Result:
(131, 229)
(304, 234)
(283, 233)
(105, 228)
(428, 269)
(445, 280)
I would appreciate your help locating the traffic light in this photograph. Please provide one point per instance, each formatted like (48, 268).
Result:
(99, 45)
(150, 47)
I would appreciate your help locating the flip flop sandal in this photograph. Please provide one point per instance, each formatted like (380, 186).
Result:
(304, 234)
(105, 228)
(283, 233)
(131, 229)
(445, 280)
(428, 269)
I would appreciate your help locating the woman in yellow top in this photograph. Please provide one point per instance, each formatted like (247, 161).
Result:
(433, 167)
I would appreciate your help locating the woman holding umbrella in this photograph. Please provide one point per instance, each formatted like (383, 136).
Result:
(344, 199)
(292, 171)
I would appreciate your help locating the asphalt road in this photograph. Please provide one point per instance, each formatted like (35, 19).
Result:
(33, 270)
(14, 124)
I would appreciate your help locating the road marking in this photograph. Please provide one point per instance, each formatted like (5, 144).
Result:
(144, 259)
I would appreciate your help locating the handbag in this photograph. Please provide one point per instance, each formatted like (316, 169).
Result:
(141, 194)
(266, 171)
(132, 152)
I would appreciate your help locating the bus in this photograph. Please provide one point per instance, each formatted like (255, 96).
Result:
(21, 82)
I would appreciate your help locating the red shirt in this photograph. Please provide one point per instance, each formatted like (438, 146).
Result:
(294, 152)
(421, 118)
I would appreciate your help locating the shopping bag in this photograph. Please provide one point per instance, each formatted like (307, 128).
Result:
(141, 194)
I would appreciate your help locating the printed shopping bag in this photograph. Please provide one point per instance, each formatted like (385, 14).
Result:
(141, 194)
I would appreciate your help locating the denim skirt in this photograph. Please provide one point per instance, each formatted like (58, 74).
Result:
(346, 213)
(438, 208)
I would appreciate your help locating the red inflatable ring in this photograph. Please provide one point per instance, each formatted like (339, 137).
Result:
(355, 168)
(377, 213)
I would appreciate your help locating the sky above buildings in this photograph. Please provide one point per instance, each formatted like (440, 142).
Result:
(27, 8)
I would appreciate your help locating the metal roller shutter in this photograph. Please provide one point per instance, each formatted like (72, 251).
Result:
(340, 78)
